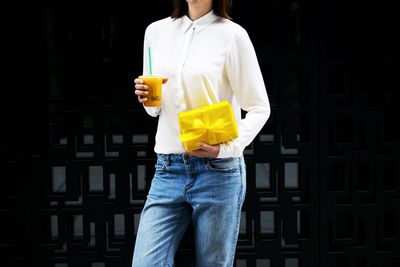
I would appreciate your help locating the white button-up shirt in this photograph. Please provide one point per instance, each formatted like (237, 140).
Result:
(207, 60)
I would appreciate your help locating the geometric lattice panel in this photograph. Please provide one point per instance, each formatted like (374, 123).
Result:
(323, 175)
(360, 152)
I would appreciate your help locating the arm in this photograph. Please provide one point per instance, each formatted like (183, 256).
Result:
(152, 111)
(247, 83)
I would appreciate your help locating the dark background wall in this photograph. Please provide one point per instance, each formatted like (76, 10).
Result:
(76, 149)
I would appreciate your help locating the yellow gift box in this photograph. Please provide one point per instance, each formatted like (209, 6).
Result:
(211, 124)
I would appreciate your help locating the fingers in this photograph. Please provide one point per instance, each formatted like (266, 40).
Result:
(205, 151)
(141, 90)
(142, 99)
(139, 85)
(141, 95)
(206, 147)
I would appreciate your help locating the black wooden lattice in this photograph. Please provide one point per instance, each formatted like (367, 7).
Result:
(323, 175)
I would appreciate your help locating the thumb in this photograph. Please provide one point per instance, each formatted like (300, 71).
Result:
(205, 147)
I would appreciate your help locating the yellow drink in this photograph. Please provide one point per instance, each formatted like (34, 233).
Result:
(154, 84)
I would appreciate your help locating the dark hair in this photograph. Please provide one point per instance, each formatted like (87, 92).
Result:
(221, 8)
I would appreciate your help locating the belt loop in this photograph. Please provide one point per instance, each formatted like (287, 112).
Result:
(169, 159)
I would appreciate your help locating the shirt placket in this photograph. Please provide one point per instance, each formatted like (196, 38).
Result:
(180, 103)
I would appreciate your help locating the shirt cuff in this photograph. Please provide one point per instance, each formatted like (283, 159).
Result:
(153, 111)
(230, 149)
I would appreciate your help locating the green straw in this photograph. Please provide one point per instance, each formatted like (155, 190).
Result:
(150, 66)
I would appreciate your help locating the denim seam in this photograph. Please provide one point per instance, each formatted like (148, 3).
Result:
(240, 198)
(170, 242)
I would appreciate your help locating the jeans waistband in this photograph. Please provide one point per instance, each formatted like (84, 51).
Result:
(176, 157)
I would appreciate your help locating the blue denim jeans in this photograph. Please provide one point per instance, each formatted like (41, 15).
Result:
(208, 191)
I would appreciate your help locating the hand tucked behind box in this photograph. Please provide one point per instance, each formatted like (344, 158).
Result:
(205, 151)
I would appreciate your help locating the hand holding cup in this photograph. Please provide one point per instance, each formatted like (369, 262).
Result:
(141, 90)
(149, 89)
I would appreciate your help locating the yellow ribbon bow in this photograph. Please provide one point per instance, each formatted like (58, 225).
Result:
(211, 124)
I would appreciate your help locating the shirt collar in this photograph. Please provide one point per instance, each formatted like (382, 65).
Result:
(200, 23)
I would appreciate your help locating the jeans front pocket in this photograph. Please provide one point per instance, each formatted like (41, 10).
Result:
(161, 163)
(223, 164)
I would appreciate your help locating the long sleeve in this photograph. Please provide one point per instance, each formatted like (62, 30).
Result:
(207, 60)
(247, 83)
(152, 111)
